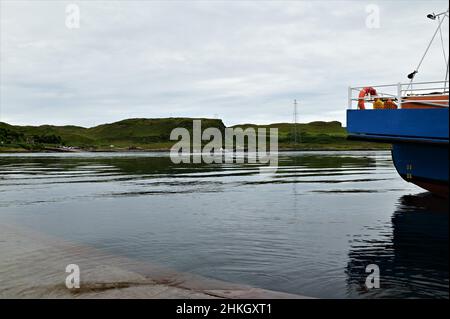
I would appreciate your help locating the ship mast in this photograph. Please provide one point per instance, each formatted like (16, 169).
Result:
(441, 18)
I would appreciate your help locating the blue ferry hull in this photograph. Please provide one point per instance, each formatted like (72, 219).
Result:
(425, 165)
(419, 138)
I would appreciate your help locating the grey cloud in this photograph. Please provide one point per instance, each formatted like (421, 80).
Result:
(242, 60)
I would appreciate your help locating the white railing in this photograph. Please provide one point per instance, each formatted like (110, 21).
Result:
(403, 92)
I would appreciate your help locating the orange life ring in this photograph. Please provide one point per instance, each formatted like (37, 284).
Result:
(365, 91)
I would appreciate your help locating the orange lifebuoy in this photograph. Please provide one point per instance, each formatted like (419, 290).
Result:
(365, 91)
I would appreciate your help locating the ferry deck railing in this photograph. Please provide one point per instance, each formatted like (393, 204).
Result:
(403, 92)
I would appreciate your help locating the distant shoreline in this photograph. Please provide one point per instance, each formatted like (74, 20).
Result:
(168, 150)
(154, 135)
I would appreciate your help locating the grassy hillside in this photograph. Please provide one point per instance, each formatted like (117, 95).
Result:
(315, 136)
(125, 134)
(153, 134)
(144, 132)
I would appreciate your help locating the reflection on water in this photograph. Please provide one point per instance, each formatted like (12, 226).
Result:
(310, 229)
(413, 258)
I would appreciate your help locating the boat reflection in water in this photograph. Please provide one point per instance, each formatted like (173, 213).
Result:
(413, 258)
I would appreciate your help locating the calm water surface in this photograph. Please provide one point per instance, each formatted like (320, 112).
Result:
(309, 229)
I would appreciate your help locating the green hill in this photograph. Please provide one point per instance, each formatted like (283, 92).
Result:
(125, 134)
(143, 132)
(152, 134)
(317, 135)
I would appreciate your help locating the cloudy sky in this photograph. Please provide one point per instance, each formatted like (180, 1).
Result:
(241, 61)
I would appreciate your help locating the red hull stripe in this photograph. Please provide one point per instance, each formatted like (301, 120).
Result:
(436, 188)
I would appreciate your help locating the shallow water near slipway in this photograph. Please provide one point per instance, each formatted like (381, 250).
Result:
(311, 228)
